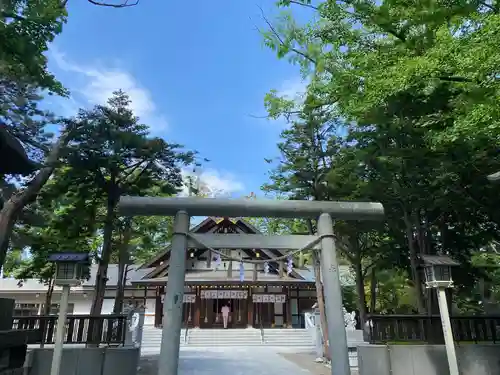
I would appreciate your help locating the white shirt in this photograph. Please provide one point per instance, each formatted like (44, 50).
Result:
(225, 310)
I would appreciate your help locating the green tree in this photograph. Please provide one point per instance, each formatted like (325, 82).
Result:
(26, 30)
(54, 236)
(419, 120)
(15, 201)
(136, 240)
(300, 172)
(112, 155)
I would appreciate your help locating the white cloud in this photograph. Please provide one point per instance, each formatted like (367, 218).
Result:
(212, 183)
(293, 89)
(93, 84)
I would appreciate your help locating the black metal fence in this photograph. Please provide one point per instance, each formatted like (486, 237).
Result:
(80, 329)
(428, 329)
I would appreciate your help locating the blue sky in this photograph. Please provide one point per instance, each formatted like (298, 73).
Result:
(196, 72)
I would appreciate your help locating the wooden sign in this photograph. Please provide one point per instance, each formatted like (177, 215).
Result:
(224, 294)
(269, 298)
(188, 298)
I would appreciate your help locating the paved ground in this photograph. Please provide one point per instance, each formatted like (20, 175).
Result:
(239, 361)
(306, 361)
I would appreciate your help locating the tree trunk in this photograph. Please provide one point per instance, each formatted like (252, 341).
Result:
(321, 303)
(46, 309)
(417, 282)
(373, 291)
(107, 248)
(14, 206)
(360, 289)
(357, 256)
(123, 260)
(120, 288)
(48, 297)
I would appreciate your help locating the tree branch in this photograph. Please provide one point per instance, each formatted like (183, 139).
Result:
(139, 174)
(131, 169)
(303, 4)
(125, 4)
(282, 42)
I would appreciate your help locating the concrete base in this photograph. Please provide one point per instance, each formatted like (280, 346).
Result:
(85, 361)
(473, 359)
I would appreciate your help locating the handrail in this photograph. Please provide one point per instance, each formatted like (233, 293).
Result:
(187, 329)
(261, 327)
(110, 329)
(425, 328)
(261, 332)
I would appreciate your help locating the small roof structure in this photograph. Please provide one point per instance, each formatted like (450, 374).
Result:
(69, 257)
(438, 260)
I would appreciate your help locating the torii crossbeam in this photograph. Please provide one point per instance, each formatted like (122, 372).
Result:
(183, 208)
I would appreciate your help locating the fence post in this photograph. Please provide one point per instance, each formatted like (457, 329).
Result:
(43, 330)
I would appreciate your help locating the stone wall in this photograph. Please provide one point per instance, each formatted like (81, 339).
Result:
(473, 359)
(85, 361)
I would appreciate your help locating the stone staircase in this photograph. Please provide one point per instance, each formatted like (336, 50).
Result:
(151, 339)
(288, 337)
(224, 337)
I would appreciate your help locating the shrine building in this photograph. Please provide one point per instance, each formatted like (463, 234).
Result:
(258, 296)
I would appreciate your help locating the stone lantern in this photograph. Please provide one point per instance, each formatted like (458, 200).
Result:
(71, 268)
(437, 270)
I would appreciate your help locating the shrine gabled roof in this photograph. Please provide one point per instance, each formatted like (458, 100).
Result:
(160, 263)
(211, 276)
(204, 227)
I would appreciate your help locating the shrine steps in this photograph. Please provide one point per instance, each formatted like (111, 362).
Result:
(282, 337)
(224, 337)
(151, 339)
(288, 337)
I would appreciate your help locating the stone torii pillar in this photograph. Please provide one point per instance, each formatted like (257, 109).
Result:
(183, 208)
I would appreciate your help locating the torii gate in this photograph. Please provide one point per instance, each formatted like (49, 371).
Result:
(182, 239)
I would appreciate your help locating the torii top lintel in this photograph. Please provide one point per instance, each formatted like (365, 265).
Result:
(224, 207)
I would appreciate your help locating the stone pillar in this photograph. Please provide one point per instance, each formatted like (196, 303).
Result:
(168, 361)
(135, 325)
(140, 327)
(132, 320)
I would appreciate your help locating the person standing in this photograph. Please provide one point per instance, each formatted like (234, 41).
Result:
(225, 314)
